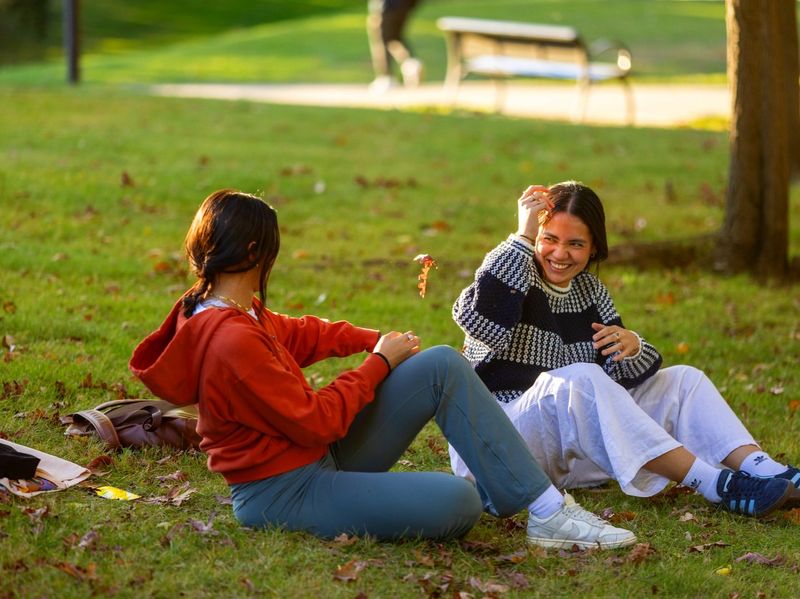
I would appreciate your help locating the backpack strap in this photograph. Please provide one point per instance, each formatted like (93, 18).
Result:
(102, 424)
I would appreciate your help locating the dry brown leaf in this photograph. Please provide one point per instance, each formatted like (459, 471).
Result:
(178, 476)
(205, 528)
(427, 263)
(343, 540)
(89, 540)
(78, 572)
(517, 557)
(756, 558)
(639, 553)
(794, 405)
(792, 515)
(99, 462)
(350, 571)
(705, 546)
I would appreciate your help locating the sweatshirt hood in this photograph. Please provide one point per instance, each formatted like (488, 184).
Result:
(169, 361)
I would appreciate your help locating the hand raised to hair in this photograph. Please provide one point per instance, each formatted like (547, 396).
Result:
(532, 201)
(397, 347)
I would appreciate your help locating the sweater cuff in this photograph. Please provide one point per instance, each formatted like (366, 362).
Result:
(641, 347)
(376, 368)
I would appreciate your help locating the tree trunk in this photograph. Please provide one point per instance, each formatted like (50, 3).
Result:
(788, 33)
(755, 232)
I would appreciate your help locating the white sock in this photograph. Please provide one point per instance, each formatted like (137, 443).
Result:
(703, 478)
(759, 463)
(547, 504)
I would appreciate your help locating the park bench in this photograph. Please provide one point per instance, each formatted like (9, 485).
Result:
(505, 49)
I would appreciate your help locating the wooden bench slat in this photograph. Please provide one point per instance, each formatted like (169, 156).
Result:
(501, 49)
(511, 66)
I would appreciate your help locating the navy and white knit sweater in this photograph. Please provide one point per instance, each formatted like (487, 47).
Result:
(518, 326)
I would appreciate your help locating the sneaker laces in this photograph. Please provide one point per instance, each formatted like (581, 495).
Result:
(744, 483)
(574, 509)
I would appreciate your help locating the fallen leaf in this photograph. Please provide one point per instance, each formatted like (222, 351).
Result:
(76, 571)
(702, 548)
(682, 348)
(205, 528)
(126, 180)
(343, 540)
(794, 405)
(515, 558)
(756, 558)
(89, 540)
(100, 461)
(9, 307)
(178, 476)
(792, 515)
(639, 553)
(724, 571)
(688, 517)
(350, 571)
(8, 342)
(518, 580)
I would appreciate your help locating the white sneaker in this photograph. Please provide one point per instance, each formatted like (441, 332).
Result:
(411, 69)
(382, 84)
(573, 525)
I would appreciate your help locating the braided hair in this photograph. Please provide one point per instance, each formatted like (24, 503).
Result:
(231, 232)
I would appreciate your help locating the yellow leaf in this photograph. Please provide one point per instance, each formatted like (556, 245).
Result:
(723, 571)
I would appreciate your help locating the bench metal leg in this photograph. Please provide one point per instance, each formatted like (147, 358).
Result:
(584, 87)
(500, 93)
(629, 101)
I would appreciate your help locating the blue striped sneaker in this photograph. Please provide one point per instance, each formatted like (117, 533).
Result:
(793, 476)
(750, 495)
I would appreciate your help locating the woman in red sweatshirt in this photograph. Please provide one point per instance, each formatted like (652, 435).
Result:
(317, 460)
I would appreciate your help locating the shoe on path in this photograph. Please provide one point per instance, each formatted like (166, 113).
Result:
(411, 69)
(382, 84)
(573, 525)
(750, 495)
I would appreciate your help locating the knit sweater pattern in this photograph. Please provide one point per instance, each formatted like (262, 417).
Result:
(518, 326)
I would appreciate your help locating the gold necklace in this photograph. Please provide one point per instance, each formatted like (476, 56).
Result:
(231, 302)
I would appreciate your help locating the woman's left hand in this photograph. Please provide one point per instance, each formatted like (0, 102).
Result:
(615, 340)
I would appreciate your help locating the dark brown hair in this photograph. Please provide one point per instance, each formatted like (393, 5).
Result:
(231, 232)
(577, 199)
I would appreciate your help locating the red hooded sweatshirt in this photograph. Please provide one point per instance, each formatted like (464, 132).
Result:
(257, 414)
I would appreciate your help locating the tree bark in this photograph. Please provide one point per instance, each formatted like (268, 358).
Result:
(761, 70)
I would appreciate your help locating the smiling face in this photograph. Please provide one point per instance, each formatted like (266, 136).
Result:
(563, 248)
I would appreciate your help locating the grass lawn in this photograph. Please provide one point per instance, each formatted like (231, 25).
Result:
(325, 40)
(97, 188)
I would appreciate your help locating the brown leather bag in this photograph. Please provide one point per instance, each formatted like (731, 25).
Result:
(137, 423)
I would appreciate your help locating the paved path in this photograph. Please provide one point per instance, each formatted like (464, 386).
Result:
(657, 105)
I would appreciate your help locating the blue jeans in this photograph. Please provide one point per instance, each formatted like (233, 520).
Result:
(350, 490)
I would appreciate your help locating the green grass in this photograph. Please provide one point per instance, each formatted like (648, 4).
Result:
(326, 41)
(89, 265)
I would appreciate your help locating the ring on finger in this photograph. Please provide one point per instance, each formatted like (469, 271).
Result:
(409, 336)
(616, 335)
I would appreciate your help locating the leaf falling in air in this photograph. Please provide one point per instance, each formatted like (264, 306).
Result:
(427, 262)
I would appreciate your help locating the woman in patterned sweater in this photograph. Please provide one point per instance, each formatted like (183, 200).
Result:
(585, 392)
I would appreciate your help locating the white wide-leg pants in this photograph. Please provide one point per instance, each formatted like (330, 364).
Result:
(584, 429)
